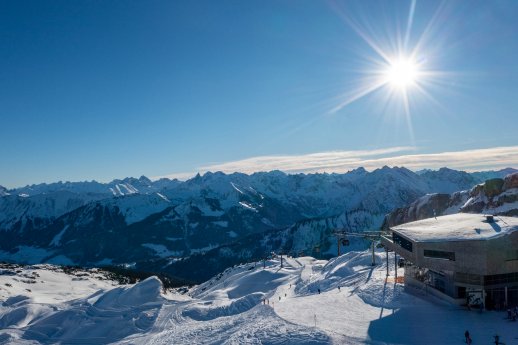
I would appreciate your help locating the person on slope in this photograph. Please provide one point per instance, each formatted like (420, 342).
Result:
(466, 335)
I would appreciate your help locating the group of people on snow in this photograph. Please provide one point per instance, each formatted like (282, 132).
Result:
(469, 340)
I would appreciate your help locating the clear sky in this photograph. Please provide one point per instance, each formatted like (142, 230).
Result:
(108, 89)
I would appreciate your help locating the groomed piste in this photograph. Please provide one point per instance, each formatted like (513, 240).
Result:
(307, 301)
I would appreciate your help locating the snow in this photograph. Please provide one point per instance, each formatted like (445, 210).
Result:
(506, 207)
(46, 206)
(237, 189)
(247, 206)
(232, 234)
(228, 309)
(457, 227)
(49, 285)
(136, 207)
(56, 241)
(163, 197)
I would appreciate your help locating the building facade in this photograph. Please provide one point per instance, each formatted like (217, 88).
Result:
(464, 258)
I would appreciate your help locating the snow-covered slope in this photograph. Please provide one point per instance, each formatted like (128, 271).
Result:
(18, 210)
(306, 301)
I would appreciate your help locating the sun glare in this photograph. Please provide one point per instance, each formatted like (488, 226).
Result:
(402, 73)
(400, 67)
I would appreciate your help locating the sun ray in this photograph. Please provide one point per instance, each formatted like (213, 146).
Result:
(409, 24)
(408, 117)
(368, 89)
(401, 65)
(421, 42)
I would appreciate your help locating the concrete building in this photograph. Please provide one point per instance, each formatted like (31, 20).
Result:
(461, 257)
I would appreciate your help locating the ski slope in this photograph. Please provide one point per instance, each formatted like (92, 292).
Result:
(247, 304)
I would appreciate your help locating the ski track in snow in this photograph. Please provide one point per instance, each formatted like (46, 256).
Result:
(356, 305)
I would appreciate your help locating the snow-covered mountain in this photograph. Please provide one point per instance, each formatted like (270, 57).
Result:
(3, 191)
(166, 225)
(497, 196)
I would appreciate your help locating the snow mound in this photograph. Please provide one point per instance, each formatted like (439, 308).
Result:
(207, 310)
(116, 314)
(147, 291)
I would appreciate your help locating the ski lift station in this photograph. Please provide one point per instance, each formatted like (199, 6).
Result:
(462, 258)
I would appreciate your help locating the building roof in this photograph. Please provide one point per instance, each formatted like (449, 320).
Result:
(457, 227)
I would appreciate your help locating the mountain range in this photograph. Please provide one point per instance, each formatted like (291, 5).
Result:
(196, 228)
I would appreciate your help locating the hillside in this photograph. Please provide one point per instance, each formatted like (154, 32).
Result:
(497, 196)
(356, 305)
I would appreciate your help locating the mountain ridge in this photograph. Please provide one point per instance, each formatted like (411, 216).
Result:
(157, 226)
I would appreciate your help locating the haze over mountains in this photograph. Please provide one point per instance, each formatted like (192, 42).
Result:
(196, 228)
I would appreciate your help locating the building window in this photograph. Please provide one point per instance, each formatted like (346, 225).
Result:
(499, 279)
(402, 242)
(470, 279)
(439, 254)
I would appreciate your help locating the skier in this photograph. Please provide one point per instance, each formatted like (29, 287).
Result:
(338, 288)
(319, 291)
(279, 298)
(497, 339)
(466, 335)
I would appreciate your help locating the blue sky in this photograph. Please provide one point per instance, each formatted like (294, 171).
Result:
(108, 89)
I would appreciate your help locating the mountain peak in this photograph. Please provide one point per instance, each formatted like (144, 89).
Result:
(359, 170)
(3, 191)
(144, 179)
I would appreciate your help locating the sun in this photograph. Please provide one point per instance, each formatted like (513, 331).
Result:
(401, 70)
(402, 73)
